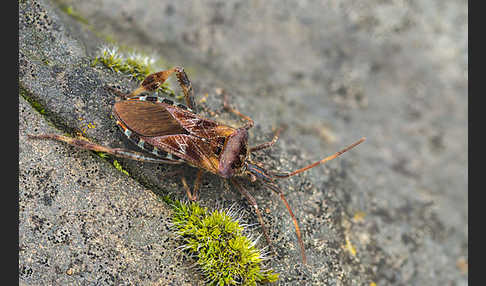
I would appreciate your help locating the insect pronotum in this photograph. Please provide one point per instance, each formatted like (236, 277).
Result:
(173, 133)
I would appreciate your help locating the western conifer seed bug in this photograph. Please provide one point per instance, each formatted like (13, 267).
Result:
(173, 133)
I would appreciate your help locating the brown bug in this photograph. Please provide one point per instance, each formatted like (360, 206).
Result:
(173, 133)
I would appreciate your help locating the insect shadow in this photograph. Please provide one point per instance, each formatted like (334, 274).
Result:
(173, 133)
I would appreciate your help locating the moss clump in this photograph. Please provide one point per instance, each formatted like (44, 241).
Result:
(217, 242)
(134, 64)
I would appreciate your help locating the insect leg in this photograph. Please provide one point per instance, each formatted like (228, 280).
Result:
(267, 144)
(253, 203)
(186, 86)
(294, 220)
(227, 106)
(193, 196)
(152, 82)
(155, 80)
(116, 91)
(118, 152)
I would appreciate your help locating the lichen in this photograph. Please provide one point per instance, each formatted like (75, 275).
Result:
(218, 244)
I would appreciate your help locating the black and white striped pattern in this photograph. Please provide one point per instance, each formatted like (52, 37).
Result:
(140, 142)
(148, 147)
(159, 99)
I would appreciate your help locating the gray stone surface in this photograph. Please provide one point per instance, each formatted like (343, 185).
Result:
(84, 223)
(330, 72)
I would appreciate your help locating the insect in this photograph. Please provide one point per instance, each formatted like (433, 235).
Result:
(174, 133)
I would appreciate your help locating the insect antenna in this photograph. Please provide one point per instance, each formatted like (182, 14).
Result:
(329, 158)
(277, 190)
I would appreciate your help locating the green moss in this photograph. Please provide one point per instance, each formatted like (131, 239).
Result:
(119, 167)
(128, 62)
(102, 155)
(114, 162)
(36, 105)
(134, 64)
(71, 12)
(118, 62)
(217, 242)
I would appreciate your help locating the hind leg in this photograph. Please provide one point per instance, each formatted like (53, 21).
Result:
(117, 152)
(227, 106)
(153, 81)
(254, 204)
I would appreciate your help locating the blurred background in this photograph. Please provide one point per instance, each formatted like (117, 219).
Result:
(331, 72)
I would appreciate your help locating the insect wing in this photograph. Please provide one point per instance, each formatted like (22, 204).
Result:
(190, 148)
(159, 119)
(198, 125)
(147, 118)
(211, 132)
(179, 132)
